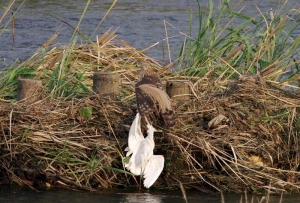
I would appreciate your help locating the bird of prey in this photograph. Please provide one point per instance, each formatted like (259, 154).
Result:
(152, 99)
(142, 161)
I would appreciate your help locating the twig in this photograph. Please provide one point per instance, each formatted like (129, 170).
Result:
(10, 135)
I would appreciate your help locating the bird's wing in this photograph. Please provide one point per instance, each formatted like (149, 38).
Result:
(142, 152)
(147, 106)
(135, 135)
(145, 103)
(157, 96)
(132, 167)
(153, 169)
(153, 101)
(135, 128)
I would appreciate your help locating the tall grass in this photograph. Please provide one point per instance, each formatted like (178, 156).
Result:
(63, 81)
(256, 44)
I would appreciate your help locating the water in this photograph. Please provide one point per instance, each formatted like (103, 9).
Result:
(22, 195)
(139, 22)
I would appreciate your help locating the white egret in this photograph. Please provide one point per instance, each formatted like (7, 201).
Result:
(135, 135)
(142, 161)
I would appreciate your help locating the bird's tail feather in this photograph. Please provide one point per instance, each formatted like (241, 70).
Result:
(158, 95)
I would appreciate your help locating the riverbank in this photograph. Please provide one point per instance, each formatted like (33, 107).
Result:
(242, 137)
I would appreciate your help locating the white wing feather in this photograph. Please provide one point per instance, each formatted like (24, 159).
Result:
(132, 167)
(140, 156)
(145, 149)
(142, 160)
(135, 135)
(153, 169)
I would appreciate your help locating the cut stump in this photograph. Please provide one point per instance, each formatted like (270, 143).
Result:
(106, 84)
(178, 89)
(29, 91)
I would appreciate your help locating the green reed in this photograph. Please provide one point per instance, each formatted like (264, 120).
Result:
(250, 47)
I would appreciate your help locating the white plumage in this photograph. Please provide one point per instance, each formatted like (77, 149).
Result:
(142, 161)
(135, 135)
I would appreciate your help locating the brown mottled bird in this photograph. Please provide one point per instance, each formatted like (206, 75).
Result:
(152, 99)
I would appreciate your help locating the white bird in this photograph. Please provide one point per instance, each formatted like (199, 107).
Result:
(142, 161)
(135, 135)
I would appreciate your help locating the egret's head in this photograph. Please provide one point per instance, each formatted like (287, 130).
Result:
(151, 129)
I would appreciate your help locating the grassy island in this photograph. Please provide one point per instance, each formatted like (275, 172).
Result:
(239, 129)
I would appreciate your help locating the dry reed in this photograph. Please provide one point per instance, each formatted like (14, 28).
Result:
(242, 137)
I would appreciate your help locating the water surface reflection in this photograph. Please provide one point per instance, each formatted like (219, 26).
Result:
(21, 195)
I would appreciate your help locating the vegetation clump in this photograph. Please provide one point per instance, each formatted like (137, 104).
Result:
(239, 129)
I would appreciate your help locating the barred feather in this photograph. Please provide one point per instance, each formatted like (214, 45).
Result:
(152, 99)
(158, 96)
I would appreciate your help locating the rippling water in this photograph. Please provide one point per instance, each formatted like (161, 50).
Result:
(22, 195)
(139, 22)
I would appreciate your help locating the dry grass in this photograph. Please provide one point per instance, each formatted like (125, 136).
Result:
(231, 135)
(243, 138)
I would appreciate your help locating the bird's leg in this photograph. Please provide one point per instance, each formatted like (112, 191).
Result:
(141, 177)
(142, 169)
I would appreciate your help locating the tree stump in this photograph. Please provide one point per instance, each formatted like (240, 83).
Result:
(29, 91)
(106, 84)
(178, 89)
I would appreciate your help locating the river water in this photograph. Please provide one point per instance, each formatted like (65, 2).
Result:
(139, 22)
(25, 195)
